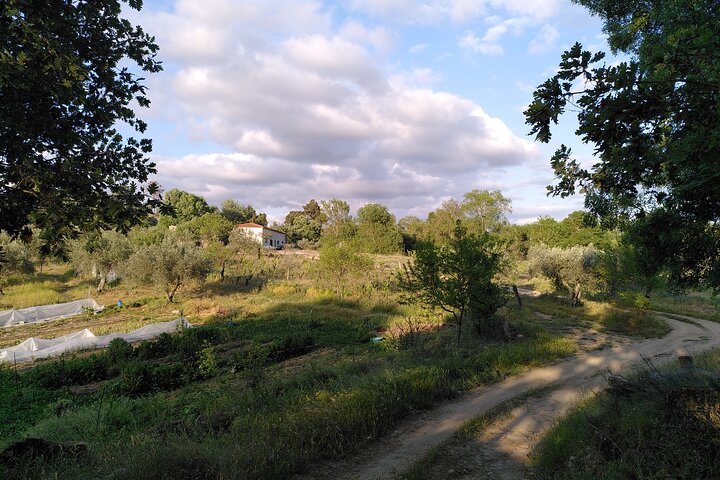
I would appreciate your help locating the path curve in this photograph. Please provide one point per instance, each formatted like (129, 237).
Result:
(577, 375)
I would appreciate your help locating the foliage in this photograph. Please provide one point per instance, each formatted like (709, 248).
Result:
(457, 278)
(656, 423)
(66, 85)
(571, 268)
(340, 266)
(337, 213)
(119, 350)
(377, 231)
(485, 211)
(169, 265)
(651, 120)
(186, 206)
(209, 227)
(237, 213)
(98, 253)
(305, 224)
(15, 258)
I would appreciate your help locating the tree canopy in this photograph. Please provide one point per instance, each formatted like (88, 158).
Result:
(65, 87)
(652, 120)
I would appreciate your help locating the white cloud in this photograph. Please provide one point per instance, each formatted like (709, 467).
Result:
(459, 11)
(544, 41)
(420, 47)
(489, 43)
(310, 110)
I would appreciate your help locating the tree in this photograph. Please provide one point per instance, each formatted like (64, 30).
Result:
(238, 213)
(485, 211)
(457, 278)
(185, 205)
(377, 231)
(209, 227)
(15, 258)
(169, 265)
(336, 212)
(570, 268)
(305, 224)
(98, 253)
(65, 87)
(339, 227)
(652, 120)
(339, 266)
(442, 222)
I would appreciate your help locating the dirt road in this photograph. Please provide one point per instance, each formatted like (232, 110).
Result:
(503, 450)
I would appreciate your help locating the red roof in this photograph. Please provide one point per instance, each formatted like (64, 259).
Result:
(256, 225)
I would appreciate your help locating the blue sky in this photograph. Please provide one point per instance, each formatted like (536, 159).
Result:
(401, 102)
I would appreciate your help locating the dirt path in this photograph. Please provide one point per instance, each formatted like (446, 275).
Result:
(503, 449)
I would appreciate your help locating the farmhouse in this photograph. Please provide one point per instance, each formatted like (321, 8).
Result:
(265, 236)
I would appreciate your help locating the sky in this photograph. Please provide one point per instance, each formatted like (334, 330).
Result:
(405, 103)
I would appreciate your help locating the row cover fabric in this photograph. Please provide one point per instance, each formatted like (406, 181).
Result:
(43, 313)
(38, 348)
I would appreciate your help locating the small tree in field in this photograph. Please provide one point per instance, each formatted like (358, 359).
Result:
(99, 253)
(340, 266)
(15, 258)
(170, 265)
(571, 268)
(458, 277)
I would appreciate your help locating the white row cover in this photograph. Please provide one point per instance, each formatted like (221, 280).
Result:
(8, 318)
(37, 348)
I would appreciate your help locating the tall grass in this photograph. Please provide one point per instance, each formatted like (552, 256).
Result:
(30, 295)
(271, 424)
(654, 424)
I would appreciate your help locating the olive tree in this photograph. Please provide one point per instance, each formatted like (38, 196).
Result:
(15, 258)
(571, 268)
(98, 253)
(171, 264)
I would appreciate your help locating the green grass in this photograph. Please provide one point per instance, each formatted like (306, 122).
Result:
(655, 424)
(602, 315)
(696, 304)
(30, 295)
(271, 383)
(260, 417)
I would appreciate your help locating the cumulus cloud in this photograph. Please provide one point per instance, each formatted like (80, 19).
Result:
(308, 109)
(544, 41)
(489, 43)
(459, 11)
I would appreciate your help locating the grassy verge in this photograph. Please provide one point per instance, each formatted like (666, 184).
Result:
(654, 424)
(558, 316)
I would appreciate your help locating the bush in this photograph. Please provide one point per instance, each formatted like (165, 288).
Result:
(71, 371)
(119, 351)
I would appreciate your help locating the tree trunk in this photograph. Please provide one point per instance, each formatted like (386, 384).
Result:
(517, 296)
(576, 296)
(222, 272)
(101, 285)
(459, 320)
(171, 294)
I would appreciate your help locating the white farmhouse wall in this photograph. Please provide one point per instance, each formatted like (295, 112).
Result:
(267, 237)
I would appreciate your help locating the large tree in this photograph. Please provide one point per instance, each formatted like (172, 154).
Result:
(653, 121)
(66, 88)
(186, 206)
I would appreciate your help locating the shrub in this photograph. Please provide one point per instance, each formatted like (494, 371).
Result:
(119, 350)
